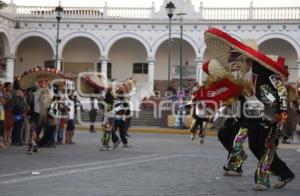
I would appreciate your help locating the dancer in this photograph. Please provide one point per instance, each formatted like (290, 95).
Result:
(40, 77)
(262, 130)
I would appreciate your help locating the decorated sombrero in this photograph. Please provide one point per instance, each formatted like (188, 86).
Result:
(221, 42)
(92, 83)
(126, 87)
(29, 78)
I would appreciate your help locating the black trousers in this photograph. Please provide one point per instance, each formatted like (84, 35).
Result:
(16, 132)
(257, 133)
(121, 126)
(48, 135)
(198, 122)
(92, 115)
(228, 132)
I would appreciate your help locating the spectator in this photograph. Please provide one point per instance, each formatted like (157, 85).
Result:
(19, 109)
(2, 117)
(93, 114)
(8, 112)
(70, 123)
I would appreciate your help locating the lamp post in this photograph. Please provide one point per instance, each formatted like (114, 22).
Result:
(59, 13)
(170, 8)
(180, 16)
(181, 108)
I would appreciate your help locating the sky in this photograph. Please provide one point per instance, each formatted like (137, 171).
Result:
(158, 3)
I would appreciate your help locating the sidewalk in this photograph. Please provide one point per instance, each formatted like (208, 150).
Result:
(153, 130)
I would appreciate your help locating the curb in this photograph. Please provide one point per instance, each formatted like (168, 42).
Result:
(154, 130)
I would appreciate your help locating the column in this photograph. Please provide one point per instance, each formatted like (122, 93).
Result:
(103, 61)
(151, 63)
(10, 67)
(298, 69)
(199, 71)
(59, 64)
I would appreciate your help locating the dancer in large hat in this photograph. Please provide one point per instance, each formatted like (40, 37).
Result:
(122, 112)
(97, 86)
(40, 77)
(270, 90)
(232, 132)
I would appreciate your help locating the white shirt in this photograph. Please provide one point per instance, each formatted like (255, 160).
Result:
(71, 112)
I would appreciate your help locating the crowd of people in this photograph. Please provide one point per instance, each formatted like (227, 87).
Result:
(26, 115)
(36, 112)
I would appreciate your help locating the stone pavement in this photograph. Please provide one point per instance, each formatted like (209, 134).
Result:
(156, 165)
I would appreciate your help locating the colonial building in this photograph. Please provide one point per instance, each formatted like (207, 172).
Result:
(133, 42)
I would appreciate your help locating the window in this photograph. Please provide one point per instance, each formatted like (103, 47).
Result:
(140, 68)
(108, 69)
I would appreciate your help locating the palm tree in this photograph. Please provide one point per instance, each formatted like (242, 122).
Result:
(2, 4)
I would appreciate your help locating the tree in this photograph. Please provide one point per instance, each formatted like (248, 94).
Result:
(2, 4)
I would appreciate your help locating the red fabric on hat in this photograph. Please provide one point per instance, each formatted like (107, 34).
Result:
(205, 67)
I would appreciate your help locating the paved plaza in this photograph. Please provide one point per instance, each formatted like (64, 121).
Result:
(157, 164)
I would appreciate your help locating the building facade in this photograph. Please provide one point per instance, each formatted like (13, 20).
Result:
(133, 42)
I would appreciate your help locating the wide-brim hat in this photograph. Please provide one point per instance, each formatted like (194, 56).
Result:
(281, 63)
(29, 78)
(91, 82)
(223, 42)
(126, 87)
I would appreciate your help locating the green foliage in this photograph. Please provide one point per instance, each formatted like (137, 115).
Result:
(2, 4)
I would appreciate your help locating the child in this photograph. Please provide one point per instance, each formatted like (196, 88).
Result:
(70, 122)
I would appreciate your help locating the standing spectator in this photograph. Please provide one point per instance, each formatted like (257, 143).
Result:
(61, 120)
(171, 93)
(19, 109)
(93, 113)
(8, 112)
(70, 123)
(2, 117)
(59, 97)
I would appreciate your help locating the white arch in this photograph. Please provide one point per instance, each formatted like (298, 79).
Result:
(165, 37)
(282, 36)
(7, 42)
(203, 46)
(84, 34)
(119, 36)
(26, 35)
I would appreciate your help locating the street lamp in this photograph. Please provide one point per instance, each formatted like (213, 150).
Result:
(58, 13)
(170, 8)
(181, 108)
(180, 16)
